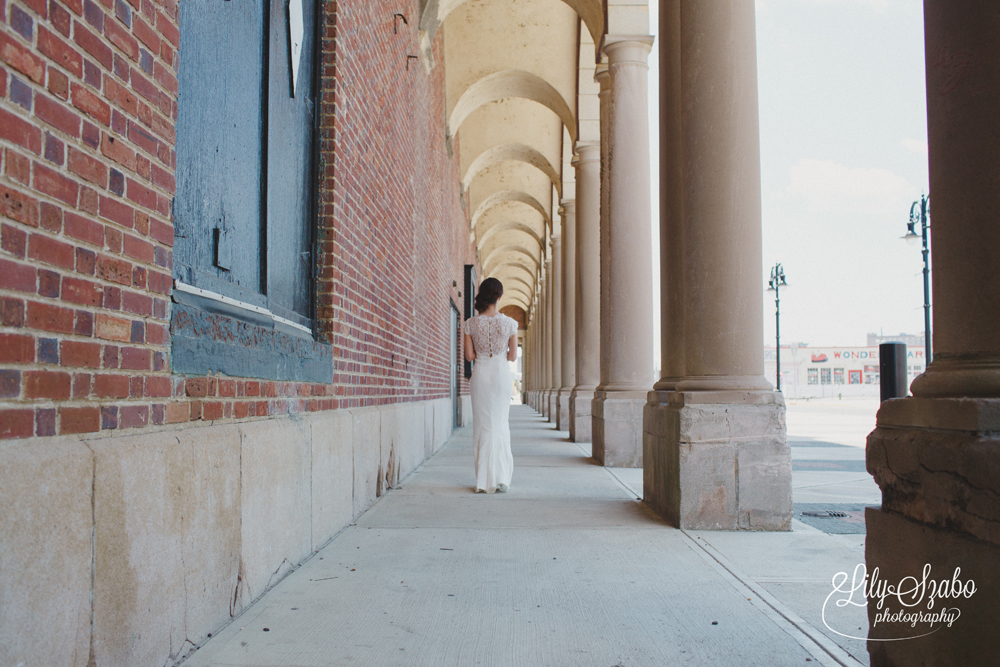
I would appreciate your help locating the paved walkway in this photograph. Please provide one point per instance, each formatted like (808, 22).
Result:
(568, 568)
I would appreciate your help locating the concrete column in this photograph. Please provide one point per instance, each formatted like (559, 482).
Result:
(529, 360)
(556, 294)
(547, 323)
(530, 357)
(627, 261)
(935, 454)
(536, 354)
(715, 450)
(568, 302)
(542, 375)
(588, 290)
(603, 77)
(671, 221)
(533, 360)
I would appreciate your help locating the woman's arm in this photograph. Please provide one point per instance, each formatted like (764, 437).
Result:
(470, 350)
(512, 348)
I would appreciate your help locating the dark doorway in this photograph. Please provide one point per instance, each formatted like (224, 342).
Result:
(455, 373)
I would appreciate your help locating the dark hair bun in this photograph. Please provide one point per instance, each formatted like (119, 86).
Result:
(490, 291)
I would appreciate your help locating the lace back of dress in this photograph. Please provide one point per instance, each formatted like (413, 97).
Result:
(489, 334)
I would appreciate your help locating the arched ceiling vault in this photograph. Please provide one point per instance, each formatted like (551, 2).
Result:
(517, 272)
(512, 283)
(511, 151)
(481, 239)
(434, 13)
(523, 259)
(509, 252)
(511, 83)
(498, 198)
(512, 73)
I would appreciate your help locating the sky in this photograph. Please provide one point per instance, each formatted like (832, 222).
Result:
(843, 156)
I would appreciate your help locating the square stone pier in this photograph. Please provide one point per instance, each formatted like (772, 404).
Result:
(617, 428)
(718, 460)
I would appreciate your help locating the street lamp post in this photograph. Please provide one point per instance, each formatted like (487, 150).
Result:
(776, 282)
(919, 213)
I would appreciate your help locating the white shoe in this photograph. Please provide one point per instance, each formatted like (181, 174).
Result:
(502, 488)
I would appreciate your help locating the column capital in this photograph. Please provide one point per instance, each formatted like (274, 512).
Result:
(586, 151)
(603, 77)
(567, 206)
(621, 49)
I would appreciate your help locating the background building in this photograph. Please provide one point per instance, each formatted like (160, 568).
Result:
(821, 372)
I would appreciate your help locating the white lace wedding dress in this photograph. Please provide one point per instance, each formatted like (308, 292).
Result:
(491, 391)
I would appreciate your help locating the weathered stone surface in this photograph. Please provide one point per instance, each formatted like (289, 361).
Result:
(332, 474)
(411, 455)
(166, 542)
(367, 439)
(189, 526)
(138, 545)
(717, 466)
(616, 422)
(401, 443)
(428, 407)
(764, 474)
(562, 413)
(466, 411)
(580, 427)
(45, 554)
(276, 500)
(976, 415)
(211, 525)
(900, 547)
(944, 477)
(444, 421)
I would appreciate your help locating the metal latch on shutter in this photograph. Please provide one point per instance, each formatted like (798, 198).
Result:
(223, 247)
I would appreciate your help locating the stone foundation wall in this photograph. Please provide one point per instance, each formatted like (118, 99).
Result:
(130, 551)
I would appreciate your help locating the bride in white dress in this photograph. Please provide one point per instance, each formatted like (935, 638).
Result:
(491, 341)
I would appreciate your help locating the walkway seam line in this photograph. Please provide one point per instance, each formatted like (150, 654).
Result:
(608, 470)
(821, 647)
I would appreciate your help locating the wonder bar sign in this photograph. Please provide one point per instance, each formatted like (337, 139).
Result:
(814, 372)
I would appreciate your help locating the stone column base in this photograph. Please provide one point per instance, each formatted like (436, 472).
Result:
(562, 419)
(553, 405)
(616, 423)
(580, 427)
(718, 460)
(900, 547)
(543, 399)
(935, 460)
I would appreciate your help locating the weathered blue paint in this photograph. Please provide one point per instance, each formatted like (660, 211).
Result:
(246, 155)
(290, 166)
(204, 342)
(220, 141)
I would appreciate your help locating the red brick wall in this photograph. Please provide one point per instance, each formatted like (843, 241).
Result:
(88, 100)
(396, 236)
(86, 127)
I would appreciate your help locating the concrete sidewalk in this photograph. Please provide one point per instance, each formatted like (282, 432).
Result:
(568, 568)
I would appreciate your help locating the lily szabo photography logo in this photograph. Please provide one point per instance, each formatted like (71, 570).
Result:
(914, 607)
